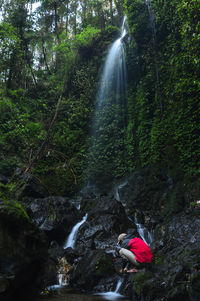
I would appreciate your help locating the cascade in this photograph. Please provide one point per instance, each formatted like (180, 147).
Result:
(113, 295)
(118, 285)
(117, 189)
(107, 131)
(146, 235)
(71, 240)
(62, 277)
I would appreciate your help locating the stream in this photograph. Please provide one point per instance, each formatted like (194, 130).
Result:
(65, 294)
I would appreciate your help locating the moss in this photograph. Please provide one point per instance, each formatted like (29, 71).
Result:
(7, 191)
(158, 259)
(51, 211)
(104, 267)
(13, 207)
(140, 279)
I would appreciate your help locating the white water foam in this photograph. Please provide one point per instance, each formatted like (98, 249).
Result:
(71, 240)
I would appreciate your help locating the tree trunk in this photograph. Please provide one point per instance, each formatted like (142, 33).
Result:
(111, 11)
(75, 17)
(67, 18)
(84, 8)
(119, 8)
(56, 22)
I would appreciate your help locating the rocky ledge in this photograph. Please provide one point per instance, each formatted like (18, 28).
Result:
(93, 264)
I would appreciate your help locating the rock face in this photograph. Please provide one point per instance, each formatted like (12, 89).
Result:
(91, 270)
(95, 269)
(29, 186)
(175, 271)
(23, 252)
(54, 215)
(106, 220)
(173, 275)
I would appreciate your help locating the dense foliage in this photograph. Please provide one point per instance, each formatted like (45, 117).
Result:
(50, 63)
(164, 95)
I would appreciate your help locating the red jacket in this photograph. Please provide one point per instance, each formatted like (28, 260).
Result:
(140, 249)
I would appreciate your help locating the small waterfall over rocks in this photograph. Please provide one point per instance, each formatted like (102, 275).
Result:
(112, 296)
(63, 266)
(117, 192)
(144, 233)
(71, 240)
(107, 132)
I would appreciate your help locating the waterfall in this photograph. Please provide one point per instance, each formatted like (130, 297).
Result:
(143, 232)
(107, 131)
(71, 240)
(117, 189)
(62, 277)
(118, 286)
(112, 295)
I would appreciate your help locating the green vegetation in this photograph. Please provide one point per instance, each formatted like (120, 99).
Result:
(13, 208)
(50, 64)
(163, 98)
(104, 267)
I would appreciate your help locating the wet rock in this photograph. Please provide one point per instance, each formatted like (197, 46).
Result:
(106, 220)
(28, 186)
(72, 255)
(50, 272)
(55, 216)
(175, 263)
(151, 191)
(94, 266)
(23, 252)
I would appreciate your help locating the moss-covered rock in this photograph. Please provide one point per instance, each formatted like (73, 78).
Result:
(92, 268)
(23, 252)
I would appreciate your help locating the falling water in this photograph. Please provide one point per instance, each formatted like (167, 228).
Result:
(113, 73)
(71, 240)
(107, 133)
(113, 295)
(117, 189)
(143, 232)
(118, 285)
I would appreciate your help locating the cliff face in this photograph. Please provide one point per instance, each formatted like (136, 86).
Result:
(163, 89)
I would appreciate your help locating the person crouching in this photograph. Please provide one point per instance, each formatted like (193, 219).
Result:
(135, 251)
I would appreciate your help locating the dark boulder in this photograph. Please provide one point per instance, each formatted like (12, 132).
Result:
(23, 252)
(154, 190)
(55, 215)
(91, 269)
(175, 271)
(96, 246)
(29, 186)
(106, 220)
